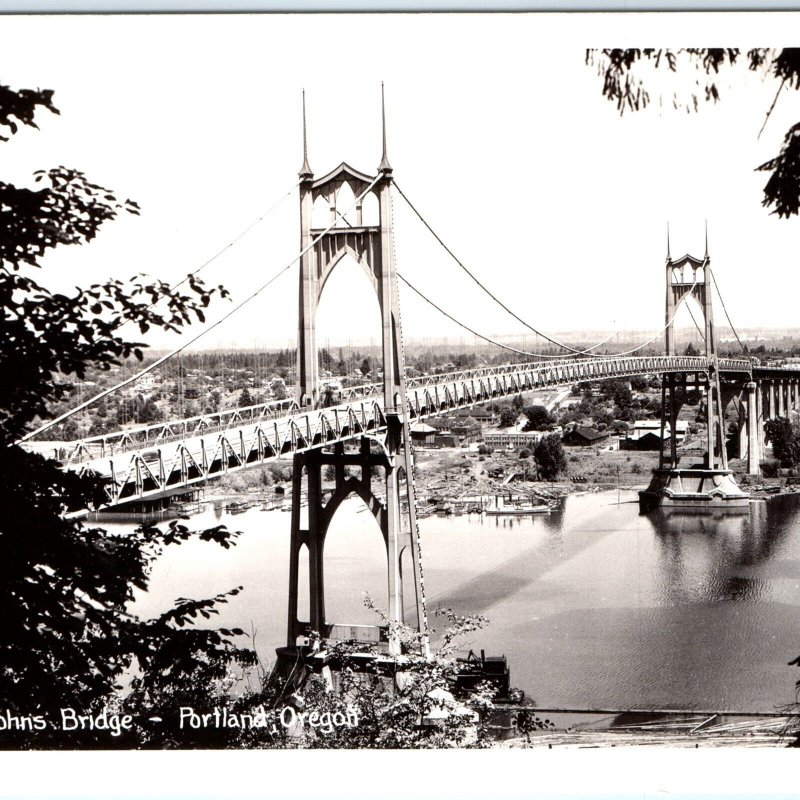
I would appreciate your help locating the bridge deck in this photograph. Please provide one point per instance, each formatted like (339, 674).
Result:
(155, 460)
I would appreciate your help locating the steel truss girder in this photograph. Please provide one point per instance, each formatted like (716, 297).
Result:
(147, 462)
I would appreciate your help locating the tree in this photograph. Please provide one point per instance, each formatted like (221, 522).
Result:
(785, 440)
(690, 350)
(139, 411)
(550, 457)
(621, 395)
(245, 398)
(539, 419)
(508, 417)
(278, 388)
(625, 85)
(326, 360)
(67, 635)
(366, 366)
(517, 403)
(602, 417)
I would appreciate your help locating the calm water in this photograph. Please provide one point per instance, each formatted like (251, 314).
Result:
(594, 605)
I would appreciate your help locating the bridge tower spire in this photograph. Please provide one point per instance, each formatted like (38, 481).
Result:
(384, 166)
(372, 247)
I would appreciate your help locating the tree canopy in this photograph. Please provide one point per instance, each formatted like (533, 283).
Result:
(539, 419)
(550, 457)
(66, 633)
(625, 77)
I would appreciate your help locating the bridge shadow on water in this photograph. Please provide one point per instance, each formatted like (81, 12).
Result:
(699, 558)
(477, 594)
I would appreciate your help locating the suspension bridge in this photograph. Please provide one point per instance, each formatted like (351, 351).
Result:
(171, 457)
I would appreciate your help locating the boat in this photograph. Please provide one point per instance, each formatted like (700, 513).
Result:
(238, 507)
(701, 490)
(503, 506)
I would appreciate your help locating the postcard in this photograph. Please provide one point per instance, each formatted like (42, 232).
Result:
(400, 382)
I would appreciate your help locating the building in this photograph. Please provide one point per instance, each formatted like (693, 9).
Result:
(646, 435)
(478, 413)
(423, 434)
(513, 439)
(579, 436)
(455, 431)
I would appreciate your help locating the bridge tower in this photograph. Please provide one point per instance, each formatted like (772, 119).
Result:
(689, 275)
(372, 247)
(710, 484)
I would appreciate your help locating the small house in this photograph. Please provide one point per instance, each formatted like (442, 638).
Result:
(646, 434)
(423, 434)
(580, 436)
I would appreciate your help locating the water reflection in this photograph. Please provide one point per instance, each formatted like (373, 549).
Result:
(713, 557)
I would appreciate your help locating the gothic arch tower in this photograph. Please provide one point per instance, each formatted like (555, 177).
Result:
(372, 246)
(692, 276)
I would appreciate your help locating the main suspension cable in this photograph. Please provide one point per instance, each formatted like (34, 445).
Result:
(202, 333)
(727, 316)
(699, 330)
(191, 275)
(237, 237)
(544, 355)
(576, 351)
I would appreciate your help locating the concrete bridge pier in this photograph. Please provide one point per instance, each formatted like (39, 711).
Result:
(755, 428)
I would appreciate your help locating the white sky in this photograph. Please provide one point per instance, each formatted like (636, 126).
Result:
(497, 132)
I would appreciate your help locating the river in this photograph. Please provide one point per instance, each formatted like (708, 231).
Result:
(595, 605)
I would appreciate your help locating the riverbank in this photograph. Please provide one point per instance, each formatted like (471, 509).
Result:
(450, 473)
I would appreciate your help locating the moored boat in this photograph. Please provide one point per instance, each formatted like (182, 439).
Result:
(519, 508)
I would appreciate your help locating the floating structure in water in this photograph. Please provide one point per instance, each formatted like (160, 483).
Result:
(503, 505)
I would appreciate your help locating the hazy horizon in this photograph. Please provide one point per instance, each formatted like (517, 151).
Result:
(499, 135)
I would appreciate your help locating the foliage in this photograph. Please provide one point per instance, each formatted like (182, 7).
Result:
(785, 440)
(67, 637)
(278, 388)
(508, 417)
(602, 417)
(770, 468)
(550, 457)
(625, 85)
(139, 411)
(391, 709)
(539, 419)
(384, 708)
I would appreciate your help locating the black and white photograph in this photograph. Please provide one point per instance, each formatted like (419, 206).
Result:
(399, 382)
